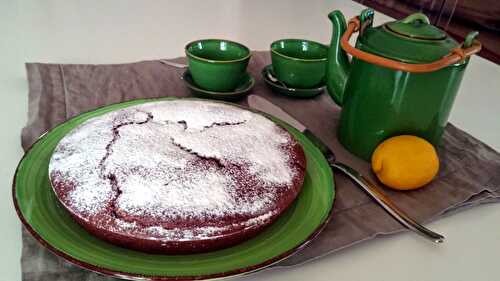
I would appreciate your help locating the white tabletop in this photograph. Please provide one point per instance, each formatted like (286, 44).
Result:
(124, 31)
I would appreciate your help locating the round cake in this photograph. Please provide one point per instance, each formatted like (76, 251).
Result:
(178, 176)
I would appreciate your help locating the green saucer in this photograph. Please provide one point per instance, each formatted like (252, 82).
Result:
(291, 92)
(246, 84)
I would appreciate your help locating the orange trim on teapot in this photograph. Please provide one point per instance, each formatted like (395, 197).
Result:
(455, 56)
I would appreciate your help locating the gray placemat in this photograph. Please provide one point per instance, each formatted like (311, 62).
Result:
(469, 174)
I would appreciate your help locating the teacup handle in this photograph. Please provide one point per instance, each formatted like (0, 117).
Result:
(470, 47)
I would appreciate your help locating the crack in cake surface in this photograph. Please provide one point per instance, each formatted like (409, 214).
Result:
(116, 134)
(111, 177)
(223, 124)
(188, 150)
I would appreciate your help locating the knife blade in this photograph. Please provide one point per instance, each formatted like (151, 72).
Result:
(262, 104)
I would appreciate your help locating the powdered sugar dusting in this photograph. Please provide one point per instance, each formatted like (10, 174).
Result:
(172, 162)
(72, 161)
(162, 200)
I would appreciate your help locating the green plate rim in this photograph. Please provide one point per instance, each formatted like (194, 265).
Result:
(134, 276)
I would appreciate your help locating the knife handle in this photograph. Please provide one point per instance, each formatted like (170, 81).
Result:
(387, 204)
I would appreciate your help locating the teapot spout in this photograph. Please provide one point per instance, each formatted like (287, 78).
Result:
(338, 63)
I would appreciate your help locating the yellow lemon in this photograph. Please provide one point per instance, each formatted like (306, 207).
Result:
(405, 162)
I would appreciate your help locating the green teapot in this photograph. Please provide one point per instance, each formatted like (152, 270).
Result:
(402, 79)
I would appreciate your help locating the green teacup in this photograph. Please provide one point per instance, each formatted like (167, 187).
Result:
(299, 63)
(217, 65)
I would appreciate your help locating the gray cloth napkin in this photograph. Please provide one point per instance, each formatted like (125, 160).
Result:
(469, 174)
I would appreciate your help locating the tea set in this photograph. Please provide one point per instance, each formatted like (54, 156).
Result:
(395, 86)
(402, 78)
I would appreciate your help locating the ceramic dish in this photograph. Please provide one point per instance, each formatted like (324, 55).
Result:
(244, 87)
(299, 63)
(291, 92)
(53, 227)
(217, 64)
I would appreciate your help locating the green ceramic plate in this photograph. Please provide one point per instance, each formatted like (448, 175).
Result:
(51, 225)
(246, 84)
(291, 92)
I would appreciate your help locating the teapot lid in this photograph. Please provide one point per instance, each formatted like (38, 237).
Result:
(410, 40)
(416, 26)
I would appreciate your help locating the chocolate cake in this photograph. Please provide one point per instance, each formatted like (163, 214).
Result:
(179, 176)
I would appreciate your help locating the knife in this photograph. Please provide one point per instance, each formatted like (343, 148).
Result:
(261, 104)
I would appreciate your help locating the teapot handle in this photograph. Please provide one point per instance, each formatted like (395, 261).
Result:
(472, 46)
